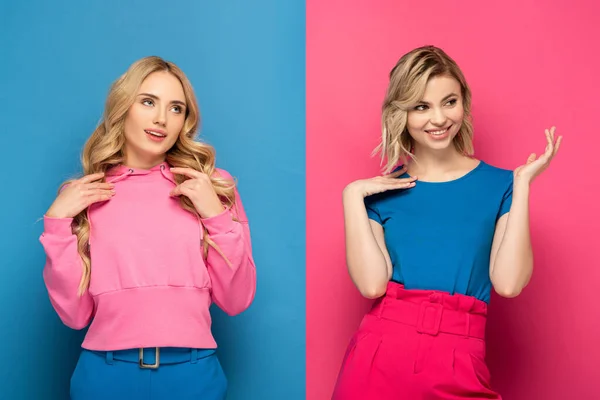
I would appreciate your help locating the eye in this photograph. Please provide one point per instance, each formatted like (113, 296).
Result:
(146, 101)
(177, 109)
(421, 107)
(452, 102)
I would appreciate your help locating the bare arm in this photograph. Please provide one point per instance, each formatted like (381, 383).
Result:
(511, 263)
(367, 257)
(511, 260)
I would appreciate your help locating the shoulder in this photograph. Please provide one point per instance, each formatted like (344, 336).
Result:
(222, 173)
(493, 174)
(386, 196)
(225, 176)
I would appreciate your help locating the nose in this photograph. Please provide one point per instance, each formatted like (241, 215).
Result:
(438, 118)
(161, 117)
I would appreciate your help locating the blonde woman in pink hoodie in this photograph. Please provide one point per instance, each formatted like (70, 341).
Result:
(141, 245)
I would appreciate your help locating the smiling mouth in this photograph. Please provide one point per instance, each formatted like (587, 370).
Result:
(157, 134)
(438, 132)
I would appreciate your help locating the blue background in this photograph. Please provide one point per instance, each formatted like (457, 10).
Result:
(246, 61)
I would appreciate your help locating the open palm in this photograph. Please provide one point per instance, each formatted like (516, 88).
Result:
(533, 167)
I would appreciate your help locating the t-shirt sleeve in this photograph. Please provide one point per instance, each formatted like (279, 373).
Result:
(371, 203)
(372, 211)
(507, 197)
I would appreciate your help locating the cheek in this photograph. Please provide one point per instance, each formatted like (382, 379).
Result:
(129, 127)
(413, 126)
(175, 128)
(134, 121)
(176, 124)
(416, 121)
(457, 114)
(172, 140)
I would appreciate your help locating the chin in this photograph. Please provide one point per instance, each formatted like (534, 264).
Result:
(153, 152)
(441, 146)
(438, 145)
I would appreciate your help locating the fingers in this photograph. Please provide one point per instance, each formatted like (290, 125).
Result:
(92, 177)
(96, 198)
(395, 181)
(96, 192)
(549, 140)
(100, 185)
(189, 172)
(552, 130)
(180, 190)
(549, 150)
(392, 184)
(531, 158)
(405, 185)
(397, 173)
(398, 185)
(176, 191)
(553, 138)
(557, 145)
(553, 145)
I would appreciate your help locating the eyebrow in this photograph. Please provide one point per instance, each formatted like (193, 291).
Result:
(443, 100)
(155, 97)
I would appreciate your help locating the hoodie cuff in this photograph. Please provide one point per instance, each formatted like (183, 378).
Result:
(58, 226)
(221, 223)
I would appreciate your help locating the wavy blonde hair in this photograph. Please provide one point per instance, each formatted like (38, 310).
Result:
(406, 88)
(105, 149)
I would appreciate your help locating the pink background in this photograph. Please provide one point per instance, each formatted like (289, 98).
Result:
(530, 65)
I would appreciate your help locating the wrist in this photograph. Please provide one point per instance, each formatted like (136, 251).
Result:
(521, 185)
(521, 192)
(53, 214)
(353, 191)
(213, 212)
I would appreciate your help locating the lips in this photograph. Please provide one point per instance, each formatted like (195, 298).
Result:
(156, 133)
(438, 132)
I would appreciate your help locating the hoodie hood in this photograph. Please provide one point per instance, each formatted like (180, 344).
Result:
(121, 172)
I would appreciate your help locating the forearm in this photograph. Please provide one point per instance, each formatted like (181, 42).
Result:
(233, 272)
(366, 262)
(62, 274)
(513, 264)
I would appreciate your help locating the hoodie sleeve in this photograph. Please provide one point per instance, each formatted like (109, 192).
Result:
(233, 286)
(62, 273)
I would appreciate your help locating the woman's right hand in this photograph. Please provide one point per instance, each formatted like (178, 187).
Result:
(79, 195)
(379, 184)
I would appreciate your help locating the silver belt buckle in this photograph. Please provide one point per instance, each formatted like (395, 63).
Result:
(156, 361)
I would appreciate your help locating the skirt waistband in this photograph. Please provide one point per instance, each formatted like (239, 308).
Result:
(432, 312)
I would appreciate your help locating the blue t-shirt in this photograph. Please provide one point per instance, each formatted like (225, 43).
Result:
(439, 234)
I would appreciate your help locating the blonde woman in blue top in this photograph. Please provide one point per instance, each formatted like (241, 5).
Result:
(430, 239)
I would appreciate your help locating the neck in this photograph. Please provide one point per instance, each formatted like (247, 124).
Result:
(146, 163)
(436, 164)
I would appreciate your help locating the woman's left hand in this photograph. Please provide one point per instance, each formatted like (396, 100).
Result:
(200, 191)
(530, 170)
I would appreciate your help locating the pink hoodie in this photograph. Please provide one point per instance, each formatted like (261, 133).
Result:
(150, 286)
